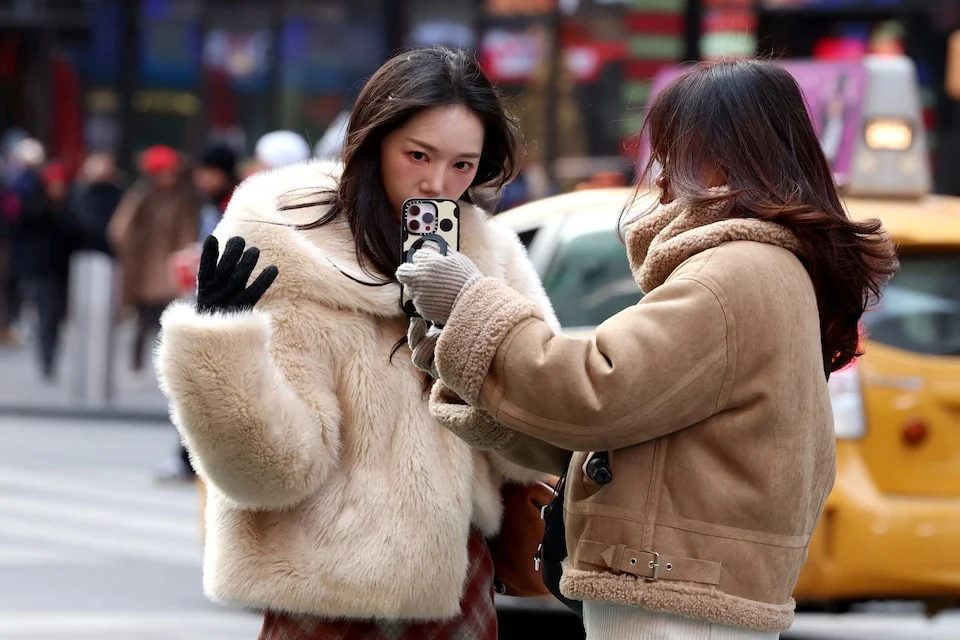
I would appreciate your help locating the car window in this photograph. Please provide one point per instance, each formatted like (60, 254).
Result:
(526, 237)
(589, 279)
(920, 308)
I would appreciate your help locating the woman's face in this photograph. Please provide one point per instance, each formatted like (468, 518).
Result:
(434, 155)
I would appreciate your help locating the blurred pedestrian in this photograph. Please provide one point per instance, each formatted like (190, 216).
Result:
(9, 210)
(215, 177)
(158, 216)
(279, 149)
(336, 503)
(24, 190)
(46, 231)
(701, 415)
(97, 197)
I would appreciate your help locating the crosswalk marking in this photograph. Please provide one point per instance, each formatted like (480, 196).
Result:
(13, 555)
(52, 509)
(58, 519)
(102, 541)
(80, 487)
(91, 548)
(125, 625)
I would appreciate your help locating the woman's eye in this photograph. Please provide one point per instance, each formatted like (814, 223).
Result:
(419, 156)
(463, 165)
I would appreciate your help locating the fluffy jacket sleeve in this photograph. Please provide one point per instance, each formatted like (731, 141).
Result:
(513, 453)
(248, 430)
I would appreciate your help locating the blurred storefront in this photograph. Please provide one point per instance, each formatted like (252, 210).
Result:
(124, 74)
(849, 29)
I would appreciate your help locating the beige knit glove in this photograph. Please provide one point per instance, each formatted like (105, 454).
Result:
(422, 338)
(435, 281)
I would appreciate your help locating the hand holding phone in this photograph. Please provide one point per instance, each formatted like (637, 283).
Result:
(423, 220)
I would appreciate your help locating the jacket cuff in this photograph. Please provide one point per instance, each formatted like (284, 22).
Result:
(183, 330)
(474, 426)
(480, 321)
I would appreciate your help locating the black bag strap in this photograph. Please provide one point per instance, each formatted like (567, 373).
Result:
(553, 549)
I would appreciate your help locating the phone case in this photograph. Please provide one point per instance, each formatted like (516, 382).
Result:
(427, 219)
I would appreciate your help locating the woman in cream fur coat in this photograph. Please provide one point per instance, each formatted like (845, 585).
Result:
(337, 501)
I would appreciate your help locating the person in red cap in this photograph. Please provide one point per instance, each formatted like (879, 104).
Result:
(158, 216)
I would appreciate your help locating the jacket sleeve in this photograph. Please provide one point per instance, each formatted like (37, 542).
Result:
(247, 428)
(475, 425)
(652, 369)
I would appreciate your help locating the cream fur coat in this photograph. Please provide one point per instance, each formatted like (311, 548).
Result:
(333, 489)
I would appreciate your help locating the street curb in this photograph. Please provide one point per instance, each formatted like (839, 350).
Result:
(75, 413)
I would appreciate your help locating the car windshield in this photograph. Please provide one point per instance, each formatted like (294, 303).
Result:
(920, 308)
(589, 278)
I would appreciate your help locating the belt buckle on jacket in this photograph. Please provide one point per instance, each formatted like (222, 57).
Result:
(655, 565)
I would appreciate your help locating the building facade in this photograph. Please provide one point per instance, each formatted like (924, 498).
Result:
(124, 74)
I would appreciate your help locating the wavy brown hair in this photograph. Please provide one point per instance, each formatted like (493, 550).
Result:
(748, 119)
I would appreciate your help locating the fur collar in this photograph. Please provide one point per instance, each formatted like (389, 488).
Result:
(318, 264)
(658, 242)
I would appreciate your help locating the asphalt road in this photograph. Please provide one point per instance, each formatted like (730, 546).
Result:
(91, 547)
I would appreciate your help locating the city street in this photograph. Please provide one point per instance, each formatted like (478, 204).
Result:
(91, 547)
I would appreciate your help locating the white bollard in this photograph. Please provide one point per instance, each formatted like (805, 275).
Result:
(92, 308)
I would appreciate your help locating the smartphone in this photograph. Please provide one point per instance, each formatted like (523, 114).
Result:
(425, 220)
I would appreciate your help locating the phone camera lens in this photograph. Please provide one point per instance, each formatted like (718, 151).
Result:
(413, 225)
(428, 218)
(414, 210)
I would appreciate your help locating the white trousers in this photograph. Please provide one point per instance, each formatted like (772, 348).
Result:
(604, 621)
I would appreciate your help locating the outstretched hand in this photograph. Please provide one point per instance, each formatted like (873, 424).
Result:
(222, 286)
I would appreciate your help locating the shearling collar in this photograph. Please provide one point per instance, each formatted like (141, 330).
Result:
(658, 242)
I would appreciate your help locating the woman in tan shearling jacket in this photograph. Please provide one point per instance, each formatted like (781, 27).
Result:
(336, 501)
(710, 395)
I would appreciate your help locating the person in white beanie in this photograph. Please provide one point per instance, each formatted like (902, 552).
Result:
(281, 148)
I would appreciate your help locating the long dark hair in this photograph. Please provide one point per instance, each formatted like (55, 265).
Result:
(404, 86)
(748, 119)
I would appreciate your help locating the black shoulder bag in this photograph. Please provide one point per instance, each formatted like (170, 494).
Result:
(553, 549)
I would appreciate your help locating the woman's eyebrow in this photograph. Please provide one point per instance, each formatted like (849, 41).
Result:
(430, 147)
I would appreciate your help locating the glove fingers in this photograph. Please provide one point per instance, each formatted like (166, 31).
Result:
(243, 270)
(426, 254)
(424, 359)
(232, 253)
(406, 273)
(416, 332)
(208, 261)
(249, 297)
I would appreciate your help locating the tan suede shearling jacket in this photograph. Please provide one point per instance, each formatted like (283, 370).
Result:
(710, 395)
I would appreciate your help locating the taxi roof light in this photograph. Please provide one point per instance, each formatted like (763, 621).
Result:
(888, 134)
(847, 400)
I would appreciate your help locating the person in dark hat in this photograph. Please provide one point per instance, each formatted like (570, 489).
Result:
(216, 177)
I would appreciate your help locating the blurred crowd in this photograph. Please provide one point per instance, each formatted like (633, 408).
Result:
(150, 224)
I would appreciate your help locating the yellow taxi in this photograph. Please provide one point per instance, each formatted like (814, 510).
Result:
(891, 526)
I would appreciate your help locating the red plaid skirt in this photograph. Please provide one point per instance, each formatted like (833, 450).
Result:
(477, 620)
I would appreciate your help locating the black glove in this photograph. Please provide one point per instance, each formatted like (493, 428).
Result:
(223, 287)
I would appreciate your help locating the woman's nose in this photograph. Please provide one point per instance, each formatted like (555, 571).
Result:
(432, 184)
